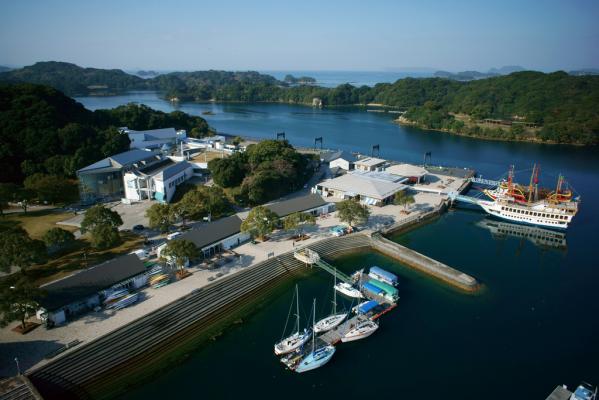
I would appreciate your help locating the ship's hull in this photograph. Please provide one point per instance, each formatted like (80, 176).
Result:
(328, 323)
(292, 343)
(526, 215)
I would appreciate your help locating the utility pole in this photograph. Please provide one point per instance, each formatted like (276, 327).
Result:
(18, 367)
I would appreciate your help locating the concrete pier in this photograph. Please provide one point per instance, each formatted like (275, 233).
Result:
(425, 264)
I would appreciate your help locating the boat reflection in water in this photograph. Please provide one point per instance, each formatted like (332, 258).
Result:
(538, 236)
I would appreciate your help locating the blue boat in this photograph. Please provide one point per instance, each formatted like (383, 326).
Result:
(384, 276)
(317, 357)
(367, 306)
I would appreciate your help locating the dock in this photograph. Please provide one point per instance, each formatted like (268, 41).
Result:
(335, 335)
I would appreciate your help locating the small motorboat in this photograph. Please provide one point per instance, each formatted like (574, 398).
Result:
(348, 290)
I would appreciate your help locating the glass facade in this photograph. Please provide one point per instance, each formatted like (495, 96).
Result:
(100, 186)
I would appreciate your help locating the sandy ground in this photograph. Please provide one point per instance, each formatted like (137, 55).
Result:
(31, 348)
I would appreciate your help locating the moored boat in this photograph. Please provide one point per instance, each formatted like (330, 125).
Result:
(297, 339)
(318, 356)
(348, 290)
(360, 331)
(125, 301)
(383, 276)
(333, 320)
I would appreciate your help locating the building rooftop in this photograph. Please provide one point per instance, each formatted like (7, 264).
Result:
(89, 281)
(119, 161)
(407, 170)
(212, 232)
(172, 170)
(332, 156)
(297, 204)
(374, 185)
(155, 134)
(370, 161)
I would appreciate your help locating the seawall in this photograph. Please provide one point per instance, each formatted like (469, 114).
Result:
(91, 369)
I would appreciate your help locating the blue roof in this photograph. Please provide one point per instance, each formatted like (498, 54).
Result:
(376, 270)
(156, 134)
(364, 308)
(119, 160)
(371, 288)
(131, 156)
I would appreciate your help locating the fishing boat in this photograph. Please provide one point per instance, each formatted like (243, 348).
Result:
(531, 205)
(348, 290)
(360, 331)
(333, 320)
(318, 356)
(297, 339)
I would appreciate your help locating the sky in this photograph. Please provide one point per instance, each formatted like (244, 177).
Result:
(346, 35)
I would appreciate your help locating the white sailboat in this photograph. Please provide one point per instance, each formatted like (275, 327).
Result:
(360, 331)
(333, 320)
(348, 290)
(298, 338)
(317, 357)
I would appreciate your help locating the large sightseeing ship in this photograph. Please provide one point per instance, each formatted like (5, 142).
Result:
(530, 204)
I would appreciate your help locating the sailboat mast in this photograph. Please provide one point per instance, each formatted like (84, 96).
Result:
(297, 315)
(532, 177)
(335, 295)
(313, 324)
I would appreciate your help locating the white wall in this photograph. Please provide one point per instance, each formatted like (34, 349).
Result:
(340, 163)
(169, 186)
(232, 240)
(130, 185)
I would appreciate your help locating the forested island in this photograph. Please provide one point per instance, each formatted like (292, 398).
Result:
(527, 105)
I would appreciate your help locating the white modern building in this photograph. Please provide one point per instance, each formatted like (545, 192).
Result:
(157, 181)
(414, 173)
(339, 159)
(373, 188)
(154, 138)
(370, 164)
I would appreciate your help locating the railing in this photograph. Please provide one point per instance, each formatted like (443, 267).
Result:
(487, 182)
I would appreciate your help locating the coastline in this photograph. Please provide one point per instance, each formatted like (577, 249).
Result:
(412, 124)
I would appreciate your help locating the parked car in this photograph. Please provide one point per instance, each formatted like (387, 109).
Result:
(173, 235)
(138, 227)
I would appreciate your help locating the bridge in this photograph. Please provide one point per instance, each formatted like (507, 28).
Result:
(455, 196)
(310, 257)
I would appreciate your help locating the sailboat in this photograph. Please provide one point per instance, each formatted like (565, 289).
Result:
(333, 320)
(360, 331)
(317, 357)
(297, 339)
(348, 290)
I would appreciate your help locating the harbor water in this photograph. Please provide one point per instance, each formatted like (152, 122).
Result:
(532, 327)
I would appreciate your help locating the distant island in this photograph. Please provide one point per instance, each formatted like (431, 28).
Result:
(523, 106)
(302, 80)
(147, 74)
(472, 75)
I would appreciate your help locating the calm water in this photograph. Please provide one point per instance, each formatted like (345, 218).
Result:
(534, 326)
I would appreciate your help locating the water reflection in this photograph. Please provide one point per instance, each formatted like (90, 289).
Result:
(538, 236)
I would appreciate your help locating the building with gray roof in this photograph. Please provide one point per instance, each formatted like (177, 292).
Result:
(310, 203)
(154, 138)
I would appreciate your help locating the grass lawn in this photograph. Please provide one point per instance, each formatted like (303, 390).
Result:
(36, 223)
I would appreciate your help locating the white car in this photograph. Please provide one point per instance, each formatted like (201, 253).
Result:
(173, 235)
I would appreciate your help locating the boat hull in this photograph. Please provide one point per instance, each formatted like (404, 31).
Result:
(328, 323)
(349, 291)
(504, 212)
(354, 335)
(292, 343)
(316, 359)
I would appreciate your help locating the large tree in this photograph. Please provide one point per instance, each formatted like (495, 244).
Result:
(230, 171)
(351, 211)
(18, 302)
(57, 239)
(203, 201)
(161, 216)
(7, 194)
(297, 221)
(18, 249)
(180, 251)
(50, 188)
(260, 222)
(102, 223)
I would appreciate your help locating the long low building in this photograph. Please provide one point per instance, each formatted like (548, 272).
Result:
(372, 188)
(311, 203)
(216, 236)
(154, 138)
(83, 291)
